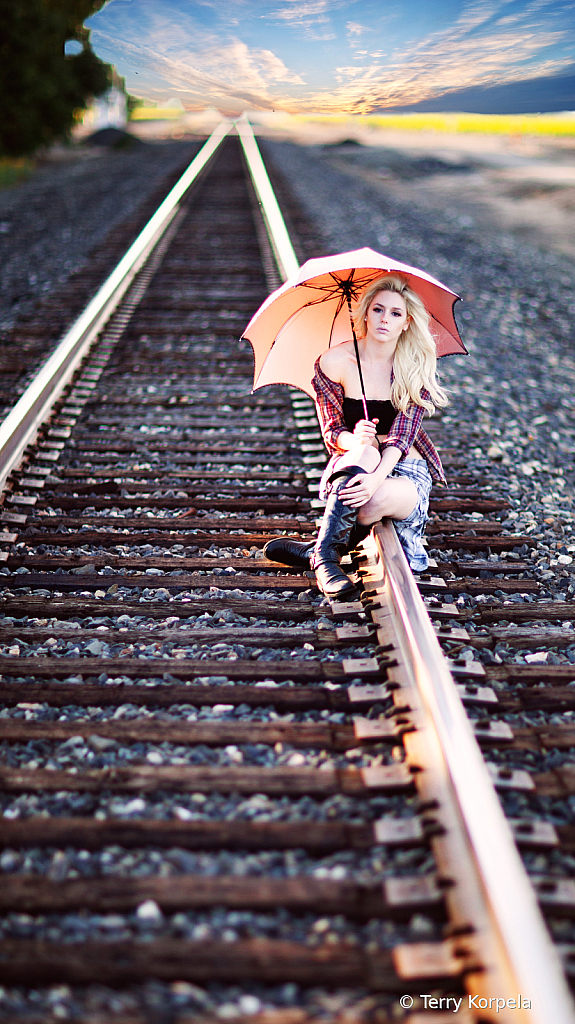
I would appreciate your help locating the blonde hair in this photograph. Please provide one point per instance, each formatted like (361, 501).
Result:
(415, 359)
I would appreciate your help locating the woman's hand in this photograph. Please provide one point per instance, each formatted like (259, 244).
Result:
(358, 490)
(364, 432)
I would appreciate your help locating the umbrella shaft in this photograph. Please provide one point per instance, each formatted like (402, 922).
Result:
(363, 398)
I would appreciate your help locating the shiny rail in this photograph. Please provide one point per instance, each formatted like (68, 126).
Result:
(495, 920)
(21, 426)
(498, 938)
(286, 259)
(489, 891)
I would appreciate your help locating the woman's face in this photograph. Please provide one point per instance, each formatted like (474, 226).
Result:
(386, 317)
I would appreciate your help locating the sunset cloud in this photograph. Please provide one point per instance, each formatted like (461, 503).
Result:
(453, 58)
(428, 71)
(214, 73)
(314, 55)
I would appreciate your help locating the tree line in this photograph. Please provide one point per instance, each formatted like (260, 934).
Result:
(41, 89)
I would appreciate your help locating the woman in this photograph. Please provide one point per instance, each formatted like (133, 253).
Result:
(384, 465)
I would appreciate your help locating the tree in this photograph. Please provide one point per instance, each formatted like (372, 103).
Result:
(41, 88)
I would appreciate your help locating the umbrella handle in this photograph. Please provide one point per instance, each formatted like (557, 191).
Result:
(363, 398)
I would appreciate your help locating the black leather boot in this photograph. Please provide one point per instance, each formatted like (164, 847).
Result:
(297, 553)
(290, 552)
(338, 520)
(358, 533)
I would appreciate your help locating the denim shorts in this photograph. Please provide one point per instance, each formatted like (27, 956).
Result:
(410, 530)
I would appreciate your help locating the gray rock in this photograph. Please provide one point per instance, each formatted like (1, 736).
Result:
(95, 647)
(100, 744)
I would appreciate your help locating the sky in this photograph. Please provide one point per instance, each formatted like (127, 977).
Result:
(343, 56)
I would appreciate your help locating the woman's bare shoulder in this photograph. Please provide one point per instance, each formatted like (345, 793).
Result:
(334, 360)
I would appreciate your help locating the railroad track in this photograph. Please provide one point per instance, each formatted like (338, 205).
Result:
(24, 347)
(223, 797)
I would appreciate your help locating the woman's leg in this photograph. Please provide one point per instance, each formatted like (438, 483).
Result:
(338, 522)
(404, 498)
(297, 553)
(365, 456)
(396, 498)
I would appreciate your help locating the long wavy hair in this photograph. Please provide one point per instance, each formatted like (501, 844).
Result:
(415, 358)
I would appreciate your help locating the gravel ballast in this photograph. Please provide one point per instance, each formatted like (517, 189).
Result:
(517, 432)
(49, 224)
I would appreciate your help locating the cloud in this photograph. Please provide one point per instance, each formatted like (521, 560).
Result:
(426, 75)
(272, 67)
(212, 72)
(354, 31)
(474, 52)
(492, 43)
(308, 13)
(555, 93)
(302, 12)
(477, 13)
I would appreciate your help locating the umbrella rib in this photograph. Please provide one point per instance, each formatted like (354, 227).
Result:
(342, 285)
(444, 327)
(335, 287)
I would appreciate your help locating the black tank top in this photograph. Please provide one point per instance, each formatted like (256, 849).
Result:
(383, 411)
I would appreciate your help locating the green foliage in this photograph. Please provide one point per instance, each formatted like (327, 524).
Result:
(74, 13)
(40, 88)
(133, 103)
(13, 170)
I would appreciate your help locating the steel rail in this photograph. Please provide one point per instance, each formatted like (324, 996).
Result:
(21, 426)
(492, 891)
(286, 259)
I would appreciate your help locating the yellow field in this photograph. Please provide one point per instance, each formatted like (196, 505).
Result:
(155, 113)
(493, 124)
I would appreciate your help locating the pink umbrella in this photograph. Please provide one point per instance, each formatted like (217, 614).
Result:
(311, 312)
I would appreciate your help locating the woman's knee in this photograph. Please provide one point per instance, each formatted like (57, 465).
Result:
(365, 516)
(364, 456)
(395, 499)
(367, 456)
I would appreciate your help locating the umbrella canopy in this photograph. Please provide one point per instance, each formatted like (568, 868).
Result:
(310, 313)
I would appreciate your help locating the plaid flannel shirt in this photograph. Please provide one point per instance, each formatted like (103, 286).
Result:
(406, 429)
